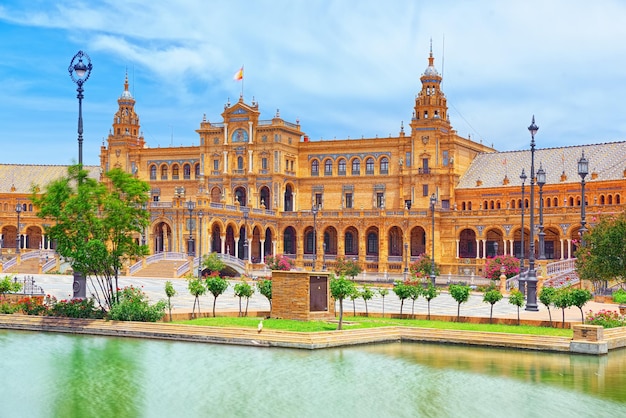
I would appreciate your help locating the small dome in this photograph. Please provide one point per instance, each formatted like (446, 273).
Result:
(430, 70)
(126, 95)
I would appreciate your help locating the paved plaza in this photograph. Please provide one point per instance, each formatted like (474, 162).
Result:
(60, 286)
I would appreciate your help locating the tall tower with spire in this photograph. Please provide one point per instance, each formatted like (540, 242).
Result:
(431, 105)
(125, 137)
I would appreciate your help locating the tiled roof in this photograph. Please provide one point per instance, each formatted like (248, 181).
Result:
(608, 160)
(19, 178)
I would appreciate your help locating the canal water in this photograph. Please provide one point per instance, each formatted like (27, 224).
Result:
(57, 375)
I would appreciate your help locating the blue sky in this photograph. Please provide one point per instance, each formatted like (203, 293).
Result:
(343, 68)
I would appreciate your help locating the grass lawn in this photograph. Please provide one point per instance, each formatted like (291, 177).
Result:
(363, 322)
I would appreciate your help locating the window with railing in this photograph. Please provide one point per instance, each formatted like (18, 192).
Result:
(153, 172)
(356, 167)
(187, 171)
(341, 167)
(315, 168)
(384, 165)
(328, 168)
(369, 166)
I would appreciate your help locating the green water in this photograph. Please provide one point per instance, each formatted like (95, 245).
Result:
(56, 375)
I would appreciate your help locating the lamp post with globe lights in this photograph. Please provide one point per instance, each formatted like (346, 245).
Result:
(314, 210)
(583, 170)
(531, 279)
(541, 181)
(79, 73)
(522, 286)
(433, 202)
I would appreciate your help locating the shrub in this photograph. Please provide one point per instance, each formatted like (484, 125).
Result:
(8, 308)
(493, 265)
(31, 306)
(133, 305)
(74, 308)
(607, 319)
(279, 262)
(619, 296)
(422, 267)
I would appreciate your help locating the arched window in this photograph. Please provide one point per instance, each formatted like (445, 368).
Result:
(197, 170)
(187, 171)
(617, 199)
(384, 165)
(315, 168)
(369, 166)
(175, 172)
(163, 172)
(328, 168)
(356, 167)
(610, 199)
(240, 163)
(153, 172)
(372, 244)
(342, 167)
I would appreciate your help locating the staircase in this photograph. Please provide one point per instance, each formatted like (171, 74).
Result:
(161, 268)
(30, 266)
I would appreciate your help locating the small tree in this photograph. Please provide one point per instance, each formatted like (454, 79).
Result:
(341, 288)
(422, 267)
(383, 292)
(170, 292)
(8, 285)
(402, 291)
(243, 290)
(353, 297)
(366, 294)
(415, 291)
(517, 298)
(492, 296)
(460, 293)
(197, 289)
(264, 286)
(546, 297)
(216, 285)
(213, 263)
(562, 299)
(579, 298)
(347, 268)
(430, 293)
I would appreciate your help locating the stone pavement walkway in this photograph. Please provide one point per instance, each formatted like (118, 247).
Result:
(61, 287)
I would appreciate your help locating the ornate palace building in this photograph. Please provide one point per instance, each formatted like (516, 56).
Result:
(255, 187)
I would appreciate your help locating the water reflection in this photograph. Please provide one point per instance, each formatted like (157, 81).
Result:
(64, 375)
(602, 376)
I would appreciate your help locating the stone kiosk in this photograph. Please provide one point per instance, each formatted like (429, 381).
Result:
(301, 295)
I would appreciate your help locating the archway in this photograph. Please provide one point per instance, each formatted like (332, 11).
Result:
(395, 242)
(351, 241)
(467, 244)
(216, 239)
(162, 236)
(288, 198)
(289, 241)
(241, 196)
(418, 241)
(265, 198)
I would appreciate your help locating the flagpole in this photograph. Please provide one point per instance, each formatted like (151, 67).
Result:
(242, 80)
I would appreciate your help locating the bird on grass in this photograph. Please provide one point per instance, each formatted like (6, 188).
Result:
(259, 328)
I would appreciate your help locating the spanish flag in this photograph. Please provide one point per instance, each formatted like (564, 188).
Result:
(238, 75)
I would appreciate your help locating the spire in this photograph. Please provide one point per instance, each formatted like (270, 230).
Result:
(431, 59)
(126, 77)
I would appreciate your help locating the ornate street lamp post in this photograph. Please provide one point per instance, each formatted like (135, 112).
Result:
(406, 261)
(541, 181)
(200, 215)
(18, 241)
(583, 169)
(433, 202)
(314, 211)
(190, 249)
(531, 280)
(245, 233)
(79, 72)
(522, 286)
